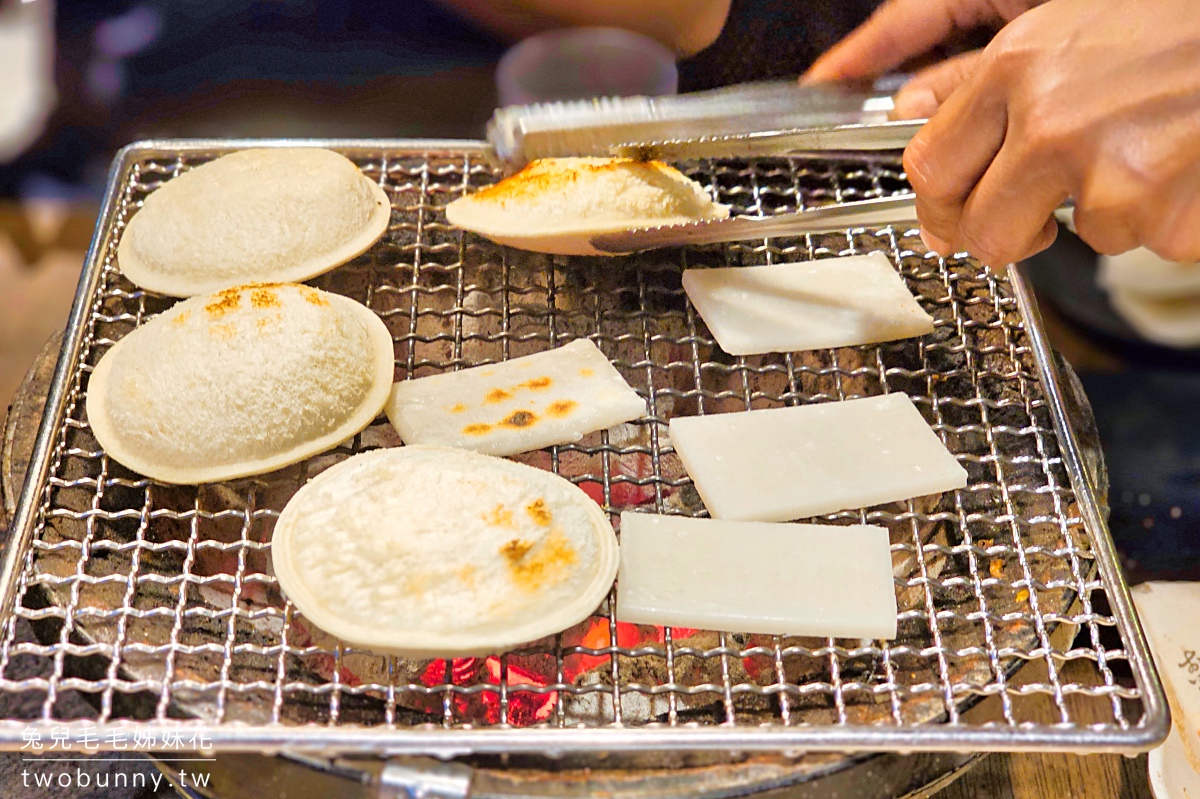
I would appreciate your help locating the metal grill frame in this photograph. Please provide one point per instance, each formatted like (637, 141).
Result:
(955, 735)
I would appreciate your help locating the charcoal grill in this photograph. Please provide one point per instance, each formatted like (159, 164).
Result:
(157, 602)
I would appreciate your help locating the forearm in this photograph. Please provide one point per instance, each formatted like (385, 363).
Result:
(685, 26)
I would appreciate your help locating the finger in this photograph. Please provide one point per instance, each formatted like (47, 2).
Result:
(1010, 213)
(1102, 208)
(1107, 230)
(1171, 227)
(897, 31)
(1044, 239)
(925, 92)
(951, 152)
(1181, 242)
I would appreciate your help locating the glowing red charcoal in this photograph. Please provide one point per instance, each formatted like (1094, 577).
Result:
(636, 466)
(524, 707)
(595, 635)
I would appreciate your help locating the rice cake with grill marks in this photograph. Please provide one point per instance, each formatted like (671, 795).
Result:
(258, 215)
(519, 405)
(440, 552)
(239, 383)
(556, 205)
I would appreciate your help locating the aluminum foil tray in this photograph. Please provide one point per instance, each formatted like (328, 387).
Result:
(158, 602)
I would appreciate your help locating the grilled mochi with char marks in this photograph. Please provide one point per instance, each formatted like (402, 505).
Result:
(438, 552)
(241, 382)
(556, 205)
(279, 214)
(519, 405)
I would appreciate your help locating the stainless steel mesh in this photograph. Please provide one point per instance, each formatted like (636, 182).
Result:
(158, 603)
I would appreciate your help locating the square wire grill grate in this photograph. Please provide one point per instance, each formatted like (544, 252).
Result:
(157, 602)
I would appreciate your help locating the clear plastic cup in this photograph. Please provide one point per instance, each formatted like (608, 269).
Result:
(579, 63)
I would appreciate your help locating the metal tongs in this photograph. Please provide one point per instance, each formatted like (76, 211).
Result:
(753, 119)
(899, 209)
(750, 120)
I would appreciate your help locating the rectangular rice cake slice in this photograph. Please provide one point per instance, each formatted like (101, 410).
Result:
(832, 302)
(775, 579)
(780, 464)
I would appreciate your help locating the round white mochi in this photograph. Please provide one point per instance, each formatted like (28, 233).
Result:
(241, 382)
(438, 552)
(263, 215)
(556, 205)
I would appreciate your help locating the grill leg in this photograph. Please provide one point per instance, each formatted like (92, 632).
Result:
(421, 778)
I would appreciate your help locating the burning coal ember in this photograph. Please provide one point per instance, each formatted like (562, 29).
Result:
(525, 708)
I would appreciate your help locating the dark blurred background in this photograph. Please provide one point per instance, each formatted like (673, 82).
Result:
(130, 70)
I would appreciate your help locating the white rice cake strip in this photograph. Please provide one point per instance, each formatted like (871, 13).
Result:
(1170, 322)
(833, 302)
(527, 403)
(775, 579)
(778, 464)
(1170, 614)
(1142, 272)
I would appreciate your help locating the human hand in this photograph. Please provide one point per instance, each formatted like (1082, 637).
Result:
(1097, 100)
(923, 94)
(903, 29)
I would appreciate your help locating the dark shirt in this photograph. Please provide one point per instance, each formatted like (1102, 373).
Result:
(771, 39)
(764, 39)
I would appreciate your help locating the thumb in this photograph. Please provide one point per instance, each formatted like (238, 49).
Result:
(925, 92)
(900, 30)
